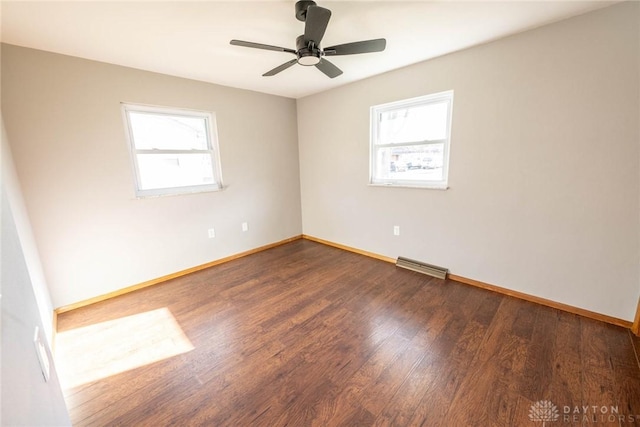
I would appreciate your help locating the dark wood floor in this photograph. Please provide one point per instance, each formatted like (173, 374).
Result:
(305, 334)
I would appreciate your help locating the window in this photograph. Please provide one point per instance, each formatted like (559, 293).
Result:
(173, 151)
(410, 142)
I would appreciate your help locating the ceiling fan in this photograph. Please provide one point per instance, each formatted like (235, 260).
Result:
(308, 51)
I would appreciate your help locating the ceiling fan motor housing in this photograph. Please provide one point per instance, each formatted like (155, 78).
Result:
(307, 53)
(301, 9)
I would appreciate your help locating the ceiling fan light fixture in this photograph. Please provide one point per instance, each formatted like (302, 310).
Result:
(308, 58)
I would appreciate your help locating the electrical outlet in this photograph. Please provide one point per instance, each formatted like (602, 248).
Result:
(396, 230)
(212, 233)
(245, 226)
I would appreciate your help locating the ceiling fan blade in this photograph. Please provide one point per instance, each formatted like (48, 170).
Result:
(367, 46)
(261, 46)
(316, 24)
(328, 68)
(280, 68)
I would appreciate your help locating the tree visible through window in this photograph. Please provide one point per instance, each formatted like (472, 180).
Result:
(173, 151)
(410, 141)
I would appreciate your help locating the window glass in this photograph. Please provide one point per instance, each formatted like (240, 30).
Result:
(410, 141)
(166, 132)
(173, 151)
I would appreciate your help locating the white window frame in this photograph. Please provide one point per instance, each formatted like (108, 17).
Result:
(212, 149)
(377, 110)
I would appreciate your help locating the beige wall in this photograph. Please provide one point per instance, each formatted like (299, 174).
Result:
(544, 171)
(62, 115)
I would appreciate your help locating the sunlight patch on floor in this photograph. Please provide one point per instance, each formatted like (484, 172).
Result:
(94, 352)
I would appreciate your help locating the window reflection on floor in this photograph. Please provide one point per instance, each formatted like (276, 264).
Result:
(90, 353)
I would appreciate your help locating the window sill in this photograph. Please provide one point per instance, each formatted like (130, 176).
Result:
(151, 194)
(416, 186)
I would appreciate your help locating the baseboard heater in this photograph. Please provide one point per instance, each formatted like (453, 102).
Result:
(422, 267)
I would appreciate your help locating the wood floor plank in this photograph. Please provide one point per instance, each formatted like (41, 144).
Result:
(598, 375)
(309, 335)
(566, 375)
(626, 376)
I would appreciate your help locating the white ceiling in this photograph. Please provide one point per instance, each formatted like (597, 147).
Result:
(191, 39)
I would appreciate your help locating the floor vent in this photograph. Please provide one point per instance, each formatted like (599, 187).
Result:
(422, 267)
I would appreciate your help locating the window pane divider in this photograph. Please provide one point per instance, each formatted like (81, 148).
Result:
(161, 151)
(409, 144)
